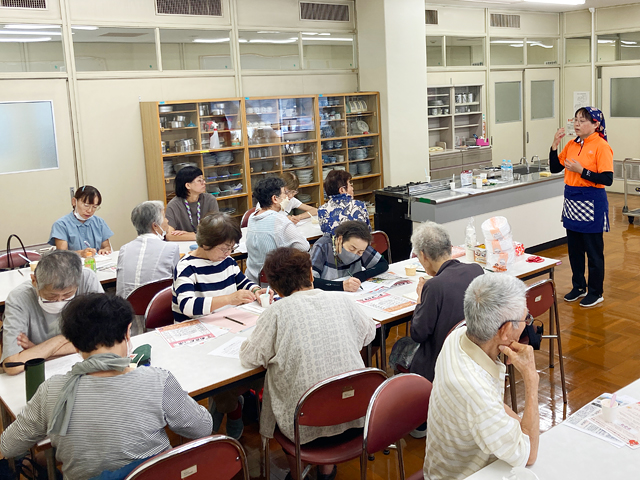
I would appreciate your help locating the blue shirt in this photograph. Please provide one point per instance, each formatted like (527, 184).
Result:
(68, 228)
(341, 208)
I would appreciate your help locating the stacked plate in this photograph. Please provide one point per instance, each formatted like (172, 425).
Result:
(325, 172)
(353, 169)
(300, 160)
(225, 158)
(339, 167)
(305, 176)
(304, 197)
(228, 211)
(286, 165)
(209, 160)
(364, 168)
(257, 166)
(168, 168)
(358, 154)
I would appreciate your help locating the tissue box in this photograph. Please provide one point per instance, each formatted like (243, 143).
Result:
(519, 247)
(481, 142)
(480, 254)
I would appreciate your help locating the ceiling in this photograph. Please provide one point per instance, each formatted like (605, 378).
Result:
(520, 5)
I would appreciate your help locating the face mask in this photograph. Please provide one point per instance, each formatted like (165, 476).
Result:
(54, 308)
(78, 216)
(284, 204)
(161, 235)
(347, 257)
(129, 348)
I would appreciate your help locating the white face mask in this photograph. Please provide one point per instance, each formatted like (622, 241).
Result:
(78, 216)
(54, 308)
(161, 235)
(129, 348)
(284, 204)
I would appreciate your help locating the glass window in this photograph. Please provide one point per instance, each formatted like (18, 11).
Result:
(269, 51)
(465, 51)
(506, 51)
(195, 50)
(608, 48)
(323, 51)
(434, 52)
(27, 137)
(630, 46)
(624, 97)
(578, 50)
(622, 46)
(508, 100)
(114, 49)
(542, 99)
(542, 51)
(31, 48)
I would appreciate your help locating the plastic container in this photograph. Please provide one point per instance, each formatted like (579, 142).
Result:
(496, 228)
(90, 262)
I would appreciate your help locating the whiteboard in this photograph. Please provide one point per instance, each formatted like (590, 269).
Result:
(27, 137)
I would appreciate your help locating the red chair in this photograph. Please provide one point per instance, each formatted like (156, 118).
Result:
(397, 407)
(142, 296)
(542, 298)
(159, 313)
(16, 259)
(338, 399)
(380, 242)
(263, 278)
(216, 456)
(245, 217)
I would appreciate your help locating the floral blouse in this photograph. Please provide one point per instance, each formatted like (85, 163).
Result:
(341, 208)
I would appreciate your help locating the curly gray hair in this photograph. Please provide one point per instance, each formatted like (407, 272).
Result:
(432, 240)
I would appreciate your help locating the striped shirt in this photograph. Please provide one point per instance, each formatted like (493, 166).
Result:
(115, 421)
(328, 266)
(265, 233)
(468, 427)
(197, 280)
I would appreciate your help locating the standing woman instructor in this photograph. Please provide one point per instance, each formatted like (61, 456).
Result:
(588, 164)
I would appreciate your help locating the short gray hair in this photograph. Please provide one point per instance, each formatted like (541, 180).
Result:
(490, 301)
(432, 240)
(59, 269)
(146, 214)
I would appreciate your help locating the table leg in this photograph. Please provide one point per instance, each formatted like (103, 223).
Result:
(369, 355)
(383, 349)
(551, 323)
(50, 454)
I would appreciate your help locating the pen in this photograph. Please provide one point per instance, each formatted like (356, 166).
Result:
(87, 244)
(360, 287)
(234, 320)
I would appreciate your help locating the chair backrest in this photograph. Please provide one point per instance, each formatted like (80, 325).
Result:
(17, 260)
(397, 407)
(142, 296)
(159, 313)
(540, 297)
(216, 456)
(380, 242)
(245, 217)
(263, 278)
(338, 399)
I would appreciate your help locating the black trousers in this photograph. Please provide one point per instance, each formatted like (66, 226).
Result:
(591, 244)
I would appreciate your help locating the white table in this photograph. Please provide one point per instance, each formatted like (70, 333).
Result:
(566, 453)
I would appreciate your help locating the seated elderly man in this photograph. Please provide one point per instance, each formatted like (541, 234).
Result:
(440, 299)
(32, 310)
(469, 425)
(147, 258)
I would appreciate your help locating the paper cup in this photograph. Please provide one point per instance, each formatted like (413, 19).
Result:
(265, 299)
(478, 183)
(609, 411)
(410, 270)
(33, 266)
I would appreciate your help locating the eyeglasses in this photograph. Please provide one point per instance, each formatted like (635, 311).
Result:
(291, 192)
(528, 320)
(581, 121)
(225, 249)
(90, 206)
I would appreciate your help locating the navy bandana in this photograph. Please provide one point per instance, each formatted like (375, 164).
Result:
(598, 116)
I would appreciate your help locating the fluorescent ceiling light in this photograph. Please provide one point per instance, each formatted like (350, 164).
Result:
(83, 27)
(558, 2)
(210, 40)
(20, 32)
(332, 39)
(507, 41)
(606, 41)
(260, 40)
(267, 31)
(324, 34)
(25, 40)
(309, 33)
(625, 42)
(30, 26)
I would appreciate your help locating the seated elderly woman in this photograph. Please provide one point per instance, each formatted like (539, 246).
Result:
(304, 338)
(469, 424)
(440, 299)
(32, 310)
(210, 279)
(347, 255)
(267, 230)
(341, 205)
(104, 415)
(147, 258)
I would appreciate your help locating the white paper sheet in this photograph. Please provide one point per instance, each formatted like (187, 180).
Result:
(60, 366)
(231, 349)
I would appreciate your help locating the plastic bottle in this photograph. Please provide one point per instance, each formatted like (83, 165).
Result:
(90, 262)
(509, 170)
(503, 169)
(470, 239)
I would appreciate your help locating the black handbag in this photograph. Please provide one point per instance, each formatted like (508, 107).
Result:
(12, 264)
(532, 334)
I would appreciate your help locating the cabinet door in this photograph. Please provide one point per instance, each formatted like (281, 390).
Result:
(542, 110)
(621, 108)
(506, 115)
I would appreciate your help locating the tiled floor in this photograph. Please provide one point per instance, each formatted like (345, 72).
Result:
(601, 349)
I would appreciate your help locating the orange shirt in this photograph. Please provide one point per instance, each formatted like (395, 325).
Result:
(594, 154)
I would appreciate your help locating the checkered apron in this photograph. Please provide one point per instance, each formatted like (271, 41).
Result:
(585, 210)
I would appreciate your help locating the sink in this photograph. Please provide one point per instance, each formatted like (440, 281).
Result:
(522, 169)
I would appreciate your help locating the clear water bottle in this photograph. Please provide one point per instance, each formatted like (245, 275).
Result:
(509, 171)
(503, 169)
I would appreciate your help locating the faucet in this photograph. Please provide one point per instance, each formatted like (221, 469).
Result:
(539, 163)
(525, 162)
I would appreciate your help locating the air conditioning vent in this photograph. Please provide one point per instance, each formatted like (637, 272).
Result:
(328, 12)
(211, 8)
(431, 17)
(505, 21)
(24, 3)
